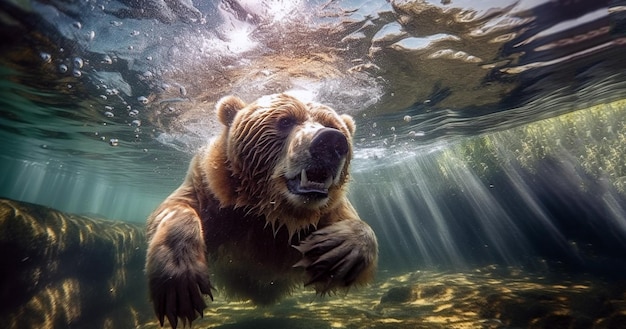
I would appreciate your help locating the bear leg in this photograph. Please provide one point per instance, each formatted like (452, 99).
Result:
(176, 263)
(339, 255)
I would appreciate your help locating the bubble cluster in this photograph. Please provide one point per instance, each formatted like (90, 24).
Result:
(114, 142)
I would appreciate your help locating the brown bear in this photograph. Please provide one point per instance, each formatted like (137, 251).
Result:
(263, 209)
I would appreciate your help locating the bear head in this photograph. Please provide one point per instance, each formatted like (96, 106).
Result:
(286, 160)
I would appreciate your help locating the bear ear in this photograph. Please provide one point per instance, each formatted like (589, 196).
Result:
(227, 108)
(349, 123)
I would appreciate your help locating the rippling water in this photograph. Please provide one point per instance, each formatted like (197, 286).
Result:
(104, 102)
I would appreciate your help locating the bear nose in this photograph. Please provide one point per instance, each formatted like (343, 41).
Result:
(329, 145)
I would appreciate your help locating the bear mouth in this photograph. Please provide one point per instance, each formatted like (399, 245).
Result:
(312, 183)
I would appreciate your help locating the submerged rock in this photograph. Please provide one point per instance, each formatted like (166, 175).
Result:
(398, 295)
(61, 270)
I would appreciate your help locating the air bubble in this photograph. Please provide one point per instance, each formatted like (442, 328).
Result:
(47, 58)
(91, 35)
(77, 73)
(136, 123)
(407, 118)
(134, 33)
(109, 114)
(77, 25)
(133, 113)
(114, 142)
(108, 108)
(104, 97)
(78, 62)
(106, 59)
(149, 58)
(142, 100)
(63, 68)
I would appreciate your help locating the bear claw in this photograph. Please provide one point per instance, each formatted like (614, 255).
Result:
(181, 298)
(335, 256)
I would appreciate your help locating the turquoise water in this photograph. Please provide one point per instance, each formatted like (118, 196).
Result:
(488, 133)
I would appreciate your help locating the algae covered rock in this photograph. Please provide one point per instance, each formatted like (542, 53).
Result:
(62, 270)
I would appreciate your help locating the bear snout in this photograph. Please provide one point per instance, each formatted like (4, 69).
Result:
(328, 147)
(328, 151)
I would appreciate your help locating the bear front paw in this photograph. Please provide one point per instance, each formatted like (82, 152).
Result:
(339, 255)
(176, 264)
(179, 295)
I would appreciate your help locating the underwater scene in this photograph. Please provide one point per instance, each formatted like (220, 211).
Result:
(468, 169)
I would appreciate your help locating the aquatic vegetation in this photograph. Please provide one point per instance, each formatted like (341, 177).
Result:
(593, 138)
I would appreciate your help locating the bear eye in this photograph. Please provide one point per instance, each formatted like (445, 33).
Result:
(285, 123)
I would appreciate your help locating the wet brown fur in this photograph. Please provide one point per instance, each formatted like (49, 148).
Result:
(232, 213)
